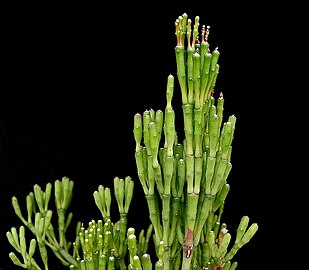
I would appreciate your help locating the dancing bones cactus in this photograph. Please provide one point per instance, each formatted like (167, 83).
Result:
(184, 181)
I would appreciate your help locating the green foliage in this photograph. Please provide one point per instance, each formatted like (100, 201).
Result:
(184, 182)
(100, 244)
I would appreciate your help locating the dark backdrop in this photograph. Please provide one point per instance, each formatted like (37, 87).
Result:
(74, 76)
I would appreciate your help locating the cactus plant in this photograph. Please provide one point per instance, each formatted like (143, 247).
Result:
(184, 177)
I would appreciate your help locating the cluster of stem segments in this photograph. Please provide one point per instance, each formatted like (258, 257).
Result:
(185, 185)
(185, 181)
(98, 245)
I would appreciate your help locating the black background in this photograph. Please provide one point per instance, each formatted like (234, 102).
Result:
(75, 75)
